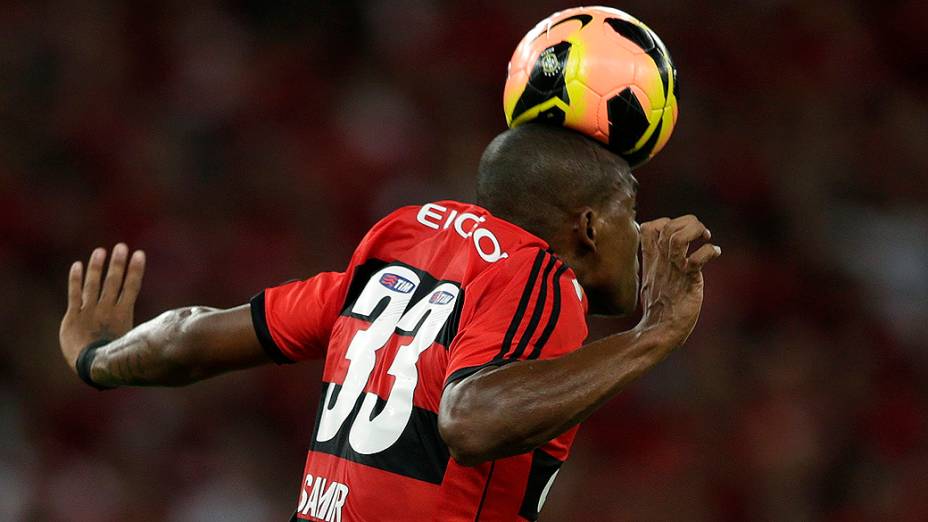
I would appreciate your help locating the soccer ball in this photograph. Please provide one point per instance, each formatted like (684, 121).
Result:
(601, 72)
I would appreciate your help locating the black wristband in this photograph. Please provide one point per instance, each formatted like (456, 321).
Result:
(85, 361)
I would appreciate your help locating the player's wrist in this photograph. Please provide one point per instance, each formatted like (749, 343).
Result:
(657, 336)
(84, 363)
(666, 324)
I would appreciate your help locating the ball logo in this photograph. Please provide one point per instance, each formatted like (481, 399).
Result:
(441, 297)
(550, 65)
(397, 283)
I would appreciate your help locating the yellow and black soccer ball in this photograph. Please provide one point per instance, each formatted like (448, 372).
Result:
(601, 72)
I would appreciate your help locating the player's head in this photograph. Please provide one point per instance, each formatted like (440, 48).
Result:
(576, 195)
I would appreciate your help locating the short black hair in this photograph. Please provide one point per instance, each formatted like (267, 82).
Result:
(537, 174)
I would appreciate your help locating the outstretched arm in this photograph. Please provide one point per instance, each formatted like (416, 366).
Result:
(511, 409)
(178, 347)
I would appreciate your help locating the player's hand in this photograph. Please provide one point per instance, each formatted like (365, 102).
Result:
(672, 282)
(100, 311)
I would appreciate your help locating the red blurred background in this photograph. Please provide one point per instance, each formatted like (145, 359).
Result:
(246, 143)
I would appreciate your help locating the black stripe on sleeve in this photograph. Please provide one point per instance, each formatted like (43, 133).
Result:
(536, 313)
(555, 313)
(259, 319)
(463, 373)
(523, 304)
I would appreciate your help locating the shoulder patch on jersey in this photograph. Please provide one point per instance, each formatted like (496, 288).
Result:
(578, 288)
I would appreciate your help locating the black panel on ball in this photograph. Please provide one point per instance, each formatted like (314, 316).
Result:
(627, 121)
(546, 80)
(634, 32)
(583, 18)
(641, 155)
(641, 36)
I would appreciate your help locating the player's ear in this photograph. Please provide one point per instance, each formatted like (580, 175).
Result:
(585, 230)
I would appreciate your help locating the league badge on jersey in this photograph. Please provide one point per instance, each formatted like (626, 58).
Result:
(397, 283)
(441, 297)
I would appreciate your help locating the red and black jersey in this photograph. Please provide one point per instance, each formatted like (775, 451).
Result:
(432, 294)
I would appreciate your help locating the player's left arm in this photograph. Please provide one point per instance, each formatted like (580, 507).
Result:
(178, 347)
(509, 409)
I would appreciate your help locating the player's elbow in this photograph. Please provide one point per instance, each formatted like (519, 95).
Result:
(465, 443)
(466, 434)
(469, 460)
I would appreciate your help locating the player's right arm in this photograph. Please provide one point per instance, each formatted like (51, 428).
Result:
(510, 409)
(178, 347)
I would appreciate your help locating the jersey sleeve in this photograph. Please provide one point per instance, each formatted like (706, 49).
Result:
(293, 321)
(531, 308)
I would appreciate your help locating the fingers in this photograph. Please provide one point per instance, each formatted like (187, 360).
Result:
(688, 223)
(74, 286)
(114, 274)
(130, 290)
(90, 294)
(680, 239)
(677, 234)
(650, 232)
(672, 237)
(91, 291)
(701, 256)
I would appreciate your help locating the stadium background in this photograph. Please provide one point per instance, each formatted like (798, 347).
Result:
(247, 143)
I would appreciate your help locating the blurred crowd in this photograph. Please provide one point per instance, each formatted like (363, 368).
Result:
(246, 143)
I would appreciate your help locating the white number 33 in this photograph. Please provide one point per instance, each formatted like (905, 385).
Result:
(397, 284)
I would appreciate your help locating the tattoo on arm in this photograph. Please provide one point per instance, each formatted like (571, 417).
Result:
(142, 357)
(180, 347)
